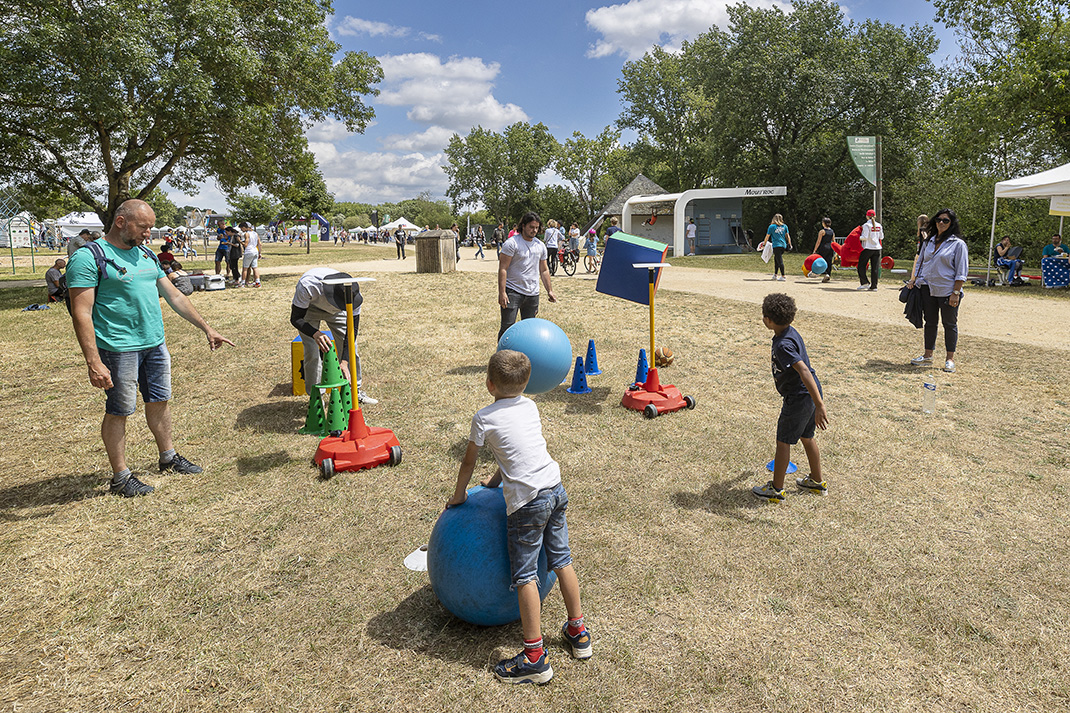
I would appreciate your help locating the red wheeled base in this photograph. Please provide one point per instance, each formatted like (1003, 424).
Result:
(357, 448)
(652, 398)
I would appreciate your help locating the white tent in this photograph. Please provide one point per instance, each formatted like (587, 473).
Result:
(1046, 184)
(403, 223)
(73, 223)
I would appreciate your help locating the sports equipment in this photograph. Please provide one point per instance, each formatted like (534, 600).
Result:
(546, 346)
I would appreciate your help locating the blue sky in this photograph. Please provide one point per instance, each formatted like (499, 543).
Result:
(450, 66)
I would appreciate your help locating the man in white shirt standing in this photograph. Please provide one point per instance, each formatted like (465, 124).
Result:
(692, 234)
(250, 256)
(872, 238)
(521, 264)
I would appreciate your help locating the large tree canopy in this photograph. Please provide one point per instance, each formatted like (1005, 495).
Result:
(100, 96)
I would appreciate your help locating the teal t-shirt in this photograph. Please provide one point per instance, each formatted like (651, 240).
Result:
(1049, 250)
(778, 235)
(126, 315)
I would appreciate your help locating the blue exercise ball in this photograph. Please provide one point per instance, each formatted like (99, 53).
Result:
(546, 346)
(468, 561)
(819, 266)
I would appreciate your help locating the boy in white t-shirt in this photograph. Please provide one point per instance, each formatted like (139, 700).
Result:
(535, 501)
(250, 256)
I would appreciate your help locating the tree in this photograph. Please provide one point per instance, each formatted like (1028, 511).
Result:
(308, 193)
(100, 97)
(166, 212)
(592, 167)
(499, 171)
(258, 210)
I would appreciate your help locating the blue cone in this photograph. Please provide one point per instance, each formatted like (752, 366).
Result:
(579, 379)
(590, 365)
(642, 368)
(791, 467)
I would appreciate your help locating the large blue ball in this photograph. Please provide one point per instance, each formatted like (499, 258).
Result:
(546, 346)
(819, 266)
(468, 561)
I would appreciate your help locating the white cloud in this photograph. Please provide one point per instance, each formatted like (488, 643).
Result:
(632, 28)
(354, 27)
(379, 176)
(433, 138)
(456, 94)
(328, 130)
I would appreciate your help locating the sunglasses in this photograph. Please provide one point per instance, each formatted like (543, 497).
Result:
(943, 220)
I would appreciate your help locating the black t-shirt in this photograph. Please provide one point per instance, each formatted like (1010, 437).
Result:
(827, 234)
(788, 348)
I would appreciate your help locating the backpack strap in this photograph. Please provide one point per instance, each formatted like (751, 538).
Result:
(103, 260)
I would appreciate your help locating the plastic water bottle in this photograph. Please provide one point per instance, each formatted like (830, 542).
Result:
(928, 394)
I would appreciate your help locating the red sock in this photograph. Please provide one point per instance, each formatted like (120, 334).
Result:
(575, 626)
(533, 649)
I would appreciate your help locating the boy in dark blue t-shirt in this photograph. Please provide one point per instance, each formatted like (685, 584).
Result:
(803, 407)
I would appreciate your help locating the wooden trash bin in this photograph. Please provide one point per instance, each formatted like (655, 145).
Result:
(436, 251)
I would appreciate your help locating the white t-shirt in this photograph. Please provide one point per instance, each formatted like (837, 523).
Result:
(254, 241)
(512, 429)
(311, 292)
(522, 275)
(872, 235)
(692, 231)
(552, 237)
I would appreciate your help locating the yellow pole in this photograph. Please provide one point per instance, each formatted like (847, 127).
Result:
(651, 357)
(351, 343)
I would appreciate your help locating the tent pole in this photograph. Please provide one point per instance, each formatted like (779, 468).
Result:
(991, 239)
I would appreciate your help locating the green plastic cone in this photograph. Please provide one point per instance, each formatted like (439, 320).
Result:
(332, 373)
(347, 397)
(337, 415)
(316, 420)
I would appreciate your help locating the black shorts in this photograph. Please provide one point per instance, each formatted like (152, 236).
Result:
(796, 419)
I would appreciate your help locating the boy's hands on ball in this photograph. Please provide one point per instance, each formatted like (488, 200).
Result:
(457, 499)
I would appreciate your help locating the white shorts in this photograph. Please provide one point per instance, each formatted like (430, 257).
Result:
(249, 259)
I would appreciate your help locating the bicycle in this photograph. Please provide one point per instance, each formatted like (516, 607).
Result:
(592, 262)
(569, 258)
(551, 260)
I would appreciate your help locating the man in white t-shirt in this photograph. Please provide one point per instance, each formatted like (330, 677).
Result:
(872, 239)
(315, 302)
(692, 234)
(250, 261)
(553, 236)
(521, 264)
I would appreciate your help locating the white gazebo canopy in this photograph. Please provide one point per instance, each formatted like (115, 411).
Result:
(405, 224)
(1046, 184)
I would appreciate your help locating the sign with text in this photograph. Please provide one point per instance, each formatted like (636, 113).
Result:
(864, 153)
(1060, 205)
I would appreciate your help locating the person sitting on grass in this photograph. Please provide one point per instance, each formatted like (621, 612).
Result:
(535, 504)
(803, 407)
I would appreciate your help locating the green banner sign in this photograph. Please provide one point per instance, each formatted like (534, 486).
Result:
(864, 153)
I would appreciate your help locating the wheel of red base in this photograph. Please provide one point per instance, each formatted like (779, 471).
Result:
(395, 455)
(887, 262)
(689, 401)
(650, 411)
(327, 468)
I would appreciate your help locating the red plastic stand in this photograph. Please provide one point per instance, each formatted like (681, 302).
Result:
(359, 447)
(653, 398)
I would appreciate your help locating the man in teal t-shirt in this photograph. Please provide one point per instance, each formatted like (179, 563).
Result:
(1055, 248)
(120, 330)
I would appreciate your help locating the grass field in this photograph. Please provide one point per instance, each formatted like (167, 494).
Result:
(932, 578)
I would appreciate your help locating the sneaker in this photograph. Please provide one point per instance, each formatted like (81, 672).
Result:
(776, 277)
(770, 493)
(256, 284)
(131, 488)
(180, 465)
(862, 287)
(241, 283)
(949, 366)
(782, 278)
(922, 360)
(519, 670)
(872, 289)
(363, 398)
(812, 485)
(826, 278)
(580, 643)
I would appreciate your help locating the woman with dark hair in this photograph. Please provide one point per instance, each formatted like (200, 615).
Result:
(823, 246)
(942, 265)
(780, 237)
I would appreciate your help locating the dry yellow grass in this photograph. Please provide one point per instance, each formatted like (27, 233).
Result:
(933, 577)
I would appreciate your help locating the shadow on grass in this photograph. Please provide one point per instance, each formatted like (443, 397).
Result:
(580, 403)
(284, 389)
(885, 366)
(420, 623)
(60, 490)
(273, 417)
(468, 370)
(728, 498)
(264, 462)
(15, 298)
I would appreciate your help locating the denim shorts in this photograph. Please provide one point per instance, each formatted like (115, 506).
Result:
(148, 369)
(796, 419)
(220, 254)
(538, 525)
